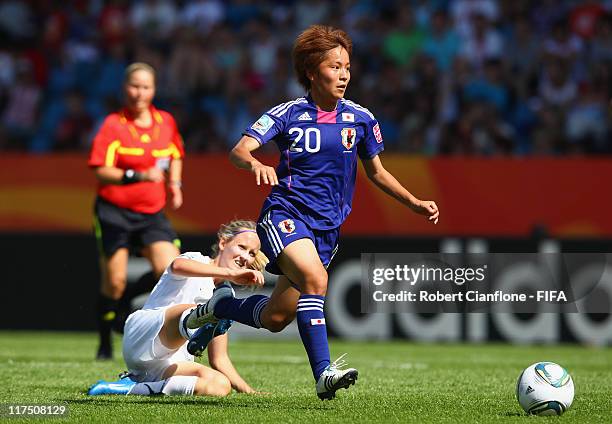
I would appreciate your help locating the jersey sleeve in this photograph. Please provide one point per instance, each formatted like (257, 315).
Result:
(178, 147)
(104, 145)
(194, 256)
(373, 142)
(266, 127)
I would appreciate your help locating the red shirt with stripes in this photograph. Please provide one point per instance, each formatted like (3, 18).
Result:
(123, 144)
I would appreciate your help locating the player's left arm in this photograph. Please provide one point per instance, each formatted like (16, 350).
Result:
(220, 361)
(175, 171)
(174, 183)
(385, 181)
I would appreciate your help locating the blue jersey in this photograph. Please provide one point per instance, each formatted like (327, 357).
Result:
(318, 157)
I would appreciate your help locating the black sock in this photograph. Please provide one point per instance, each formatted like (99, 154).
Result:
(145, 284)
(106, 314)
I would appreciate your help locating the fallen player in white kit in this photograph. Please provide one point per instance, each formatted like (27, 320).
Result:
(158, 348)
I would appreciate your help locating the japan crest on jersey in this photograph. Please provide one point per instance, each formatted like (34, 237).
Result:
(348, 137)
(287, 226)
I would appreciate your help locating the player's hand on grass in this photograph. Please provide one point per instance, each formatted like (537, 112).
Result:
(250, 391)
(264, 173)
(427, 208)
(243, 387)
(247, 277)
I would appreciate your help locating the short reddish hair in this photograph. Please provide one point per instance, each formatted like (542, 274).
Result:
(312, 45)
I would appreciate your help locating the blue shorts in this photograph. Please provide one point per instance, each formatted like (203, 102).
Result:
(278, 228)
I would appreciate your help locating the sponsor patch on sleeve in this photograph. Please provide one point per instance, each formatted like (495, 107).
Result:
(263, 124)
(377, 133)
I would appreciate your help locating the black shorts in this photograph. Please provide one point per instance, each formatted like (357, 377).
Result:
(117, 227)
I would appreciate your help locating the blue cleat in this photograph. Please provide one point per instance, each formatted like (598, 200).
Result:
(119, 387)
(223, 327)
(200, 339)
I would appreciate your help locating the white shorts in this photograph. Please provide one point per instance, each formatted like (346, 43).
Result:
(144, 354)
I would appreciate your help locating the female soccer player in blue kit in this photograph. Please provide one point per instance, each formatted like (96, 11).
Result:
(319, 137)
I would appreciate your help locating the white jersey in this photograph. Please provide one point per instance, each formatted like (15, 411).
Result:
(173, 289)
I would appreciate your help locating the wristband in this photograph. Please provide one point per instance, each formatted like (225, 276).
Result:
(130, 177)
(178, 184)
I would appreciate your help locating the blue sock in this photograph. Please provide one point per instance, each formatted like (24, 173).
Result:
(246, 311)
(313, 331)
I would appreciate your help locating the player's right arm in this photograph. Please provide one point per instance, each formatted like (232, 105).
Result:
(103, 158)
(114, 175)
(267, 128)
(186, 267)
(242, 158)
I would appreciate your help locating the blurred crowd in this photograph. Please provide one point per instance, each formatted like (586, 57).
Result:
(443, 77)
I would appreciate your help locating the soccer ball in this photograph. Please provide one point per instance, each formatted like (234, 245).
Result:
(545, 388)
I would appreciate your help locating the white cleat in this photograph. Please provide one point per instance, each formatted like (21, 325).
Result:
(203, 313)
(334, 378)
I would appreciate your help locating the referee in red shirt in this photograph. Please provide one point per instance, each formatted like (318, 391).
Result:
(136, 156)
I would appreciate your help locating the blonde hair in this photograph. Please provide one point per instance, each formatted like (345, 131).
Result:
(232, 229)
(261, 260)
(138, 66)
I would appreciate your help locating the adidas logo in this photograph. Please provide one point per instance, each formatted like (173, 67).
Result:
(304, 117)
(529, 390)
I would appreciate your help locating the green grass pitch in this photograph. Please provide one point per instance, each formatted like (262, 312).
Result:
(398, 382)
